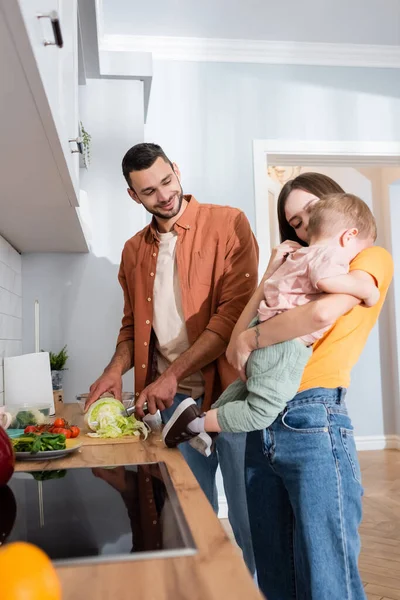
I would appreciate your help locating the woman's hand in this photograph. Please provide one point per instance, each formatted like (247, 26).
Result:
(238, 353)
(279, 255)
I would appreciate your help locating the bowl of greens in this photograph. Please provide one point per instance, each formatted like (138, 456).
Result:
(23, 415)
(43, 446)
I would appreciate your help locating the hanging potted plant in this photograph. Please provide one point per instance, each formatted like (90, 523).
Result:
(84, 158)
(57, 366)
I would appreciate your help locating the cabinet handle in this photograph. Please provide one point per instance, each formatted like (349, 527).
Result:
(78, 142)
(55, 23)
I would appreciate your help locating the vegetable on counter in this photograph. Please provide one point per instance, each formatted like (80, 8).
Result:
(27, 417)
(27, 572)
(7, 457)
(39, 442)
(106, 412)
(60, 426)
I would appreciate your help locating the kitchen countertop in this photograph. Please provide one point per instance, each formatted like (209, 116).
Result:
(216, 571)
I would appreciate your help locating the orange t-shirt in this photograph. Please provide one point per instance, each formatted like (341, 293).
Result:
(336, 353)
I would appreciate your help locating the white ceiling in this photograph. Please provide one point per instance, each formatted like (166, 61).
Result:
(335, 21)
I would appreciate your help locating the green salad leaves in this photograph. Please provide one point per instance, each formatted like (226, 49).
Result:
(33, 442)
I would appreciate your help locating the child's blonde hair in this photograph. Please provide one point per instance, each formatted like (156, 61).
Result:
(337, 211)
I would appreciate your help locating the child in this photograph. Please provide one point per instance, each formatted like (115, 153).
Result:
(340, 226)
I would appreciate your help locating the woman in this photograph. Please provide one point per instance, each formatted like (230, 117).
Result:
(302, 473)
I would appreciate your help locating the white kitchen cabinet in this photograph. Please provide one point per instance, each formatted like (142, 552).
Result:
(38, 105)
(58, 68)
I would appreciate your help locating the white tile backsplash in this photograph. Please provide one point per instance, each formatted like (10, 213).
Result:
(10, 280)
(10, 305)
(2, 399)
(10, 348)
(9, 256)
(10, 327)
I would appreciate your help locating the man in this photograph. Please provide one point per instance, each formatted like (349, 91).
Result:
(186, 278)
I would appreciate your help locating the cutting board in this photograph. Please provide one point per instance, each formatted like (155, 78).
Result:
(92, 441)
(73, 414)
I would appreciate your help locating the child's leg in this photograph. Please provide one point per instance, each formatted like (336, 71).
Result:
(274, 376)
(236, 392)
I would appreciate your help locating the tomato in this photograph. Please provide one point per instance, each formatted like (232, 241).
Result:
(66, 432)
(75, 431)
(59, 423)
(30, 429)
(56, 430)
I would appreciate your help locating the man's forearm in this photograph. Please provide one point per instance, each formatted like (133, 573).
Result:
(208, 347)
(123, 357)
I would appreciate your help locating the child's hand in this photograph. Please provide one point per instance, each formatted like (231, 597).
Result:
(373, 297)
(279, 255)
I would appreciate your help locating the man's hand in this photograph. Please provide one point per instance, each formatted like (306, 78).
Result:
(158, 395)
(110, 381)
(238, 353)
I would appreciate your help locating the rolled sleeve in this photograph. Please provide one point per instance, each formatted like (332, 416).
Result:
(239, 278)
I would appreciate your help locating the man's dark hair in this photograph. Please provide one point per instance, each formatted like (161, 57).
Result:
(140, 157)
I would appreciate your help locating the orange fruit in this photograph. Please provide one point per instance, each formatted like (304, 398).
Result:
(27, 573)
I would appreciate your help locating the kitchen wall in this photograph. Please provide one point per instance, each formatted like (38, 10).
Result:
(207, 115)
(80, 297)
(10, 306)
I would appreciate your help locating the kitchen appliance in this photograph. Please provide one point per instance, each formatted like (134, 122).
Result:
(125, 512)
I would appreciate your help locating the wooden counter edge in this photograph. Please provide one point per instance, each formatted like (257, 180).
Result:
(217, 571)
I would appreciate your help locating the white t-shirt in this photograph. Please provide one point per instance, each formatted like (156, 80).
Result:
(168, 319)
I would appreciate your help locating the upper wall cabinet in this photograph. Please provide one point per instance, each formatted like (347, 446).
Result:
(39, 125)
(52, 29)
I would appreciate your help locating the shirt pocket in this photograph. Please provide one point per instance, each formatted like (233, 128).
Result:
(203, 262)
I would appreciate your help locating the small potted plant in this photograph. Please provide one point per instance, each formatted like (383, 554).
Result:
(57, 366)
(84, 158)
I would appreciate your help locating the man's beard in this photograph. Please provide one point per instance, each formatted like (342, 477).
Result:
(171, 213)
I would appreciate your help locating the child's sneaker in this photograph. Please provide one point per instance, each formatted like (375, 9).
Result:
(177, 430)
(203, 443)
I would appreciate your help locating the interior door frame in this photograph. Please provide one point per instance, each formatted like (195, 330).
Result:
(323, 153)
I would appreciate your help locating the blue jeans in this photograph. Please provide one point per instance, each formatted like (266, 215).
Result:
(229, 454)
(304, 497)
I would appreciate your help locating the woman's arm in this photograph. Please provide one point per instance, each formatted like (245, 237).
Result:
(278, 256)
(250, 310)
(305, 319)
(293, 323)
